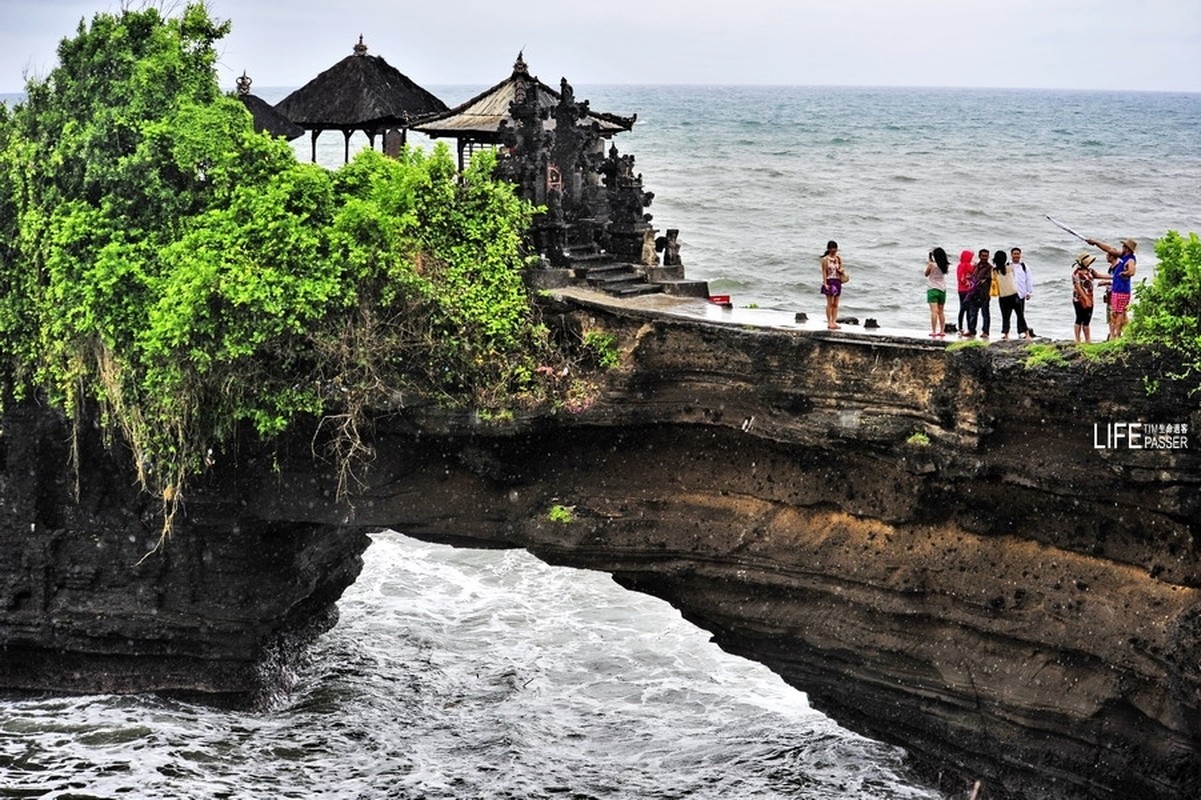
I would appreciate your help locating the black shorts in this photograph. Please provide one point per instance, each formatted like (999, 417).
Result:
(1084, 316)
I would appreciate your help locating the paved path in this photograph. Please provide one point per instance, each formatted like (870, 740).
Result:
(700, 308)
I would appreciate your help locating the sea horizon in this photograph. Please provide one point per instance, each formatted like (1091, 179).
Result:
(13, 95)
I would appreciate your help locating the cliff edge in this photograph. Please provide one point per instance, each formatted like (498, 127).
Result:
(956, 551)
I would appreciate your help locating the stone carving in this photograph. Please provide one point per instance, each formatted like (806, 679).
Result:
(669, 246)
(626, 195)
(593, 202)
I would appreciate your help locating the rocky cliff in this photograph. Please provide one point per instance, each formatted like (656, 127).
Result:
(90, 601)
(997, 593)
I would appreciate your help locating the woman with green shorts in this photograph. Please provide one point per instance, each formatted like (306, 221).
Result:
(936, 291)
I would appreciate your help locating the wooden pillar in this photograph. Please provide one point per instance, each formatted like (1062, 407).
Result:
(315, 133)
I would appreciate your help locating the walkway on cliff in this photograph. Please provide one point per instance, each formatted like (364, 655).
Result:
(697, 308)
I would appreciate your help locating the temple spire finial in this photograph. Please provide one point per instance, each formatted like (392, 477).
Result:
(360, 49)
(519, 66)
(243, 83)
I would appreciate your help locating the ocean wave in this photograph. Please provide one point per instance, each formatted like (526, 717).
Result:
(771, 172)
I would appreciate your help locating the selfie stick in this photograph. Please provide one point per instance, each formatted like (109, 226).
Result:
(1065, 227)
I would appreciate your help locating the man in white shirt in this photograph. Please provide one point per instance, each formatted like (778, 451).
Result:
(1025, 287)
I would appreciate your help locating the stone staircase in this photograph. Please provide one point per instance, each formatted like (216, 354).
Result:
(603, 271)
(619, 280)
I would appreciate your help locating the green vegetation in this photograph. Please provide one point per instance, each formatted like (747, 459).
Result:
(603, 348)
(1100, 352)
(167, 266)
(918, 439)
(561, 514)
(966, 344)
(1168, 313)
(1044, 355)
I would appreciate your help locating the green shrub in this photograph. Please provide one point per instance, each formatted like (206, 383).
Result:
(602, 346)
(918, 439)
(561, 514)
(1168, 312)
(166, 263)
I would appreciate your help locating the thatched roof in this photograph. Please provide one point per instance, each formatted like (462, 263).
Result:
(266, 118)
(480, 118)
(360, 92)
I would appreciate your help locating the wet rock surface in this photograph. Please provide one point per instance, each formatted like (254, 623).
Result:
(997, 594)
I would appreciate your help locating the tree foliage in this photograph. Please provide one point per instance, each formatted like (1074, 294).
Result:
(1168, 313)
(165, 263)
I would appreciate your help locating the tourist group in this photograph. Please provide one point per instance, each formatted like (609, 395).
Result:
(1006, 277)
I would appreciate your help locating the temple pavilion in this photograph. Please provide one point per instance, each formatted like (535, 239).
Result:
(266, 118)
(481, 122)
(359, 93)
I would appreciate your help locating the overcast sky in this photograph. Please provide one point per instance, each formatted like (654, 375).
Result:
(1074, 44)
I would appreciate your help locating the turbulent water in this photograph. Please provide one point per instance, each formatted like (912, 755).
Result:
(468, 674)
(481, 674)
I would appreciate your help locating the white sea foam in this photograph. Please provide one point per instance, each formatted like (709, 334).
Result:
(461, 673)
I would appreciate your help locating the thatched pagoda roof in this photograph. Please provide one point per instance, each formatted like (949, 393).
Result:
(480, 118)
(266, 118)
(360, 92)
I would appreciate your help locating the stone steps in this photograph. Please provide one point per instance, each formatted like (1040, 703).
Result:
(619, 280)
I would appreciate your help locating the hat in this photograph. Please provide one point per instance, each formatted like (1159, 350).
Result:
(1085, 259)
(1131, 245)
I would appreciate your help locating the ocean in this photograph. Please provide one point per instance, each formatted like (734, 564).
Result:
(468, 674)
(484, 674)
(758, 178)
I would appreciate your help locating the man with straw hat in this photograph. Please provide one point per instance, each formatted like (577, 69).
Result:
(1121, 273)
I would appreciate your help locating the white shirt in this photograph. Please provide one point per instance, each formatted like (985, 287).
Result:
(1022, 280)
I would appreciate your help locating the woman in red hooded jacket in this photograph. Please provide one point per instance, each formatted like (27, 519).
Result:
(963, 283)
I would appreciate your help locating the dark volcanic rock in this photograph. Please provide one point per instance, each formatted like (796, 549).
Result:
(87, 603)
(998, 595)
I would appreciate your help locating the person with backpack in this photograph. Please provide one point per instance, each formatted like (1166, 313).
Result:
(1025, 286)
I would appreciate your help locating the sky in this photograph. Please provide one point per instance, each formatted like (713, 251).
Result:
(1150, 45)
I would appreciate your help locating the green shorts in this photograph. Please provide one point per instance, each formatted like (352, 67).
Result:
(937, 296)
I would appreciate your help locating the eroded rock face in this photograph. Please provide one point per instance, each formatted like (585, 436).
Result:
(90, 603)
(1007, 601)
